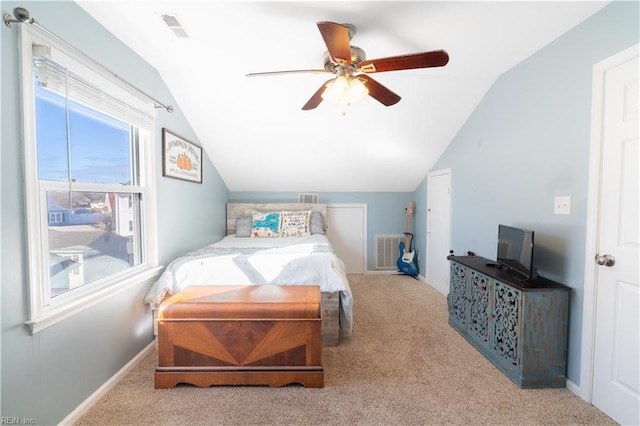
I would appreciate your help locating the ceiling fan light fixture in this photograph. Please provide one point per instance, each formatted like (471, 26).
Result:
(345, 90)
(358, 89)
(340, 86)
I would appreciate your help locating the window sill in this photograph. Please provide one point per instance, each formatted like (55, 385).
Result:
(55, 315)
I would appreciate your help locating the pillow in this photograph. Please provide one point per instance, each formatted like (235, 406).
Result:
(265, 225)
(295, 224)
(243, 226)
(316, 223)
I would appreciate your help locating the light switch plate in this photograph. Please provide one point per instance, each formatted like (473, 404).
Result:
(562, 205)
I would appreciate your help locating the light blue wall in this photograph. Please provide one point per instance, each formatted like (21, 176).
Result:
(527, 142)
(47, 375)
(385, 210)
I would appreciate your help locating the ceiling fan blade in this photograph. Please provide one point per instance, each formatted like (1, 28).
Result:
(267, 73)
(316, 99)
(336, 37)
(436, 58)
(379, 92)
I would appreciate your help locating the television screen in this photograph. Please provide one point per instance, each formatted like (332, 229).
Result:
(515, 250)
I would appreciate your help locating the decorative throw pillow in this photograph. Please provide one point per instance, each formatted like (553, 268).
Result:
(295, 224)
(265, 225)
(243, 226)
(316, 223)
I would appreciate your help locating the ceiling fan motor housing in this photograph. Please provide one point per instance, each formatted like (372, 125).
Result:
(357, 55)
(351, 29)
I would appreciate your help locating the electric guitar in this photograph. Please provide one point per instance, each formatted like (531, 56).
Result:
(408, 259)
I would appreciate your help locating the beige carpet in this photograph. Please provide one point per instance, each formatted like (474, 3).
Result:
(404, 366)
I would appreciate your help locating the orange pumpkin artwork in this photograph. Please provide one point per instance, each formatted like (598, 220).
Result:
(184, 163)
(181, 159)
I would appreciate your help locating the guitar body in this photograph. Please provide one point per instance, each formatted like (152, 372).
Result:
(407, 261)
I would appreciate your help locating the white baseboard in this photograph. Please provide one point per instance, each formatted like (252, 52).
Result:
(575, 389)
(106, 387)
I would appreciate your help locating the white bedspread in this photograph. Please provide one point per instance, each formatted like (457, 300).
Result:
(256, 261)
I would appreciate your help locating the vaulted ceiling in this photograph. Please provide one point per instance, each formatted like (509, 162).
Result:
(254, 130)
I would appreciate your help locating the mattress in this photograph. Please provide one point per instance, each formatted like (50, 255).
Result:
(258, 261)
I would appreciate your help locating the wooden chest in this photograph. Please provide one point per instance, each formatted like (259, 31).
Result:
(240, 335)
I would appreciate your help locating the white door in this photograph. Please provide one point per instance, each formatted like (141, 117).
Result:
(438, 229)
(616, 354)
(347, 233)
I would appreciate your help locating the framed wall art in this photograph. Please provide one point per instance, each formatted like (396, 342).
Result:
(181, 159)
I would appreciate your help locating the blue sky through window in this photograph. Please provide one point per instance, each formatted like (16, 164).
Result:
(100, 144)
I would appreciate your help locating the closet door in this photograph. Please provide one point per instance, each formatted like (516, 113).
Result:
(347, 232)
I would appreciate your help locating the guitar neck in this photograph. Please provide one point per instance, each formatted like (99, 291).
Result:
(408, 230)
(407, 239)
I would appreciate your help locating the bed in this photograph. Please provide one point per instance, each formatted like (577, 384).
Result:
(295, 257)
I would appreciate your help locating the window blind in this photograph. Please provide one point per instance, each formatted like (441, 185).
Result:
(57, 78)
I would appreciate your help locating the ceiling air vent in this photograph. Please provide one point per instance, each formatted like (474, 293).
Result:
(174, 24)
(308, 198)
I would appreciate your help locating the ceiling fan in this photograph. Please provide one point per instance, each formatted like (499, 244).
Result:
(351, 68)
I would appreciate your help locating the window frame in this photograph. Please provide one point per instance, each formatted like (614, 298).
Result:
(45, 311)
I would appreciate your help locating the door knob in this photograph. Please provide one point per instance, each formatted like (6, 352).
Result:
(606, 260)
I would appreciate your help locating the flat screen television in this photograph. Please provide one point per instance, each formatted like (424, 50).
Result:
(515, 250)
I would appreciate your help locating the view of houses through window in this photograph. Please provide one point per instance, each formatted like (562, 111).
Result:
(91, 237)
(87, 170)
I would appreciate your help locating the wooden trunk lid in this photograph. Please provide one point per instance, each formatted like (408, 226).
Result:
(242, 302)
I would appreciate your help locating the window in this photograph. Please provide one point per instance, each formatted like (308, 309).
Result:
(55, 217)
(90, 204)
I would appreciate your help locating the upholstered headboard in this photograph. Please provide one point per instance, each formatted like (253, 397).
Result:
(239, 209)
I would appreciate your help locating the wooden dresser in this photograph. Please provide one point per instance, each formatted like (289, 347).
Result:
(520, 326)
(240, 335)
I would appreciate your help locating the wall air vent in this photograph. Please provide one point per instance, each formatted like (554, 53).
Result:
(174, 25)
(308, 198)
(386, 251)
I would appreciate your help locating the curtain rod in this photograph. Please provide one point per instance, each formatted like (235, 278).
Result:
(22, 16)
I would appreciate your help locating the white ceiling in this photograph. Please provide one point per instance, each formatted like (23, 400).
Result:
(254, 130)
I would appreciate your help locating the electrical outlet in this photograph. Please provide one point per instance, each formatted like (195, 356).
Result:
(562, 205)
